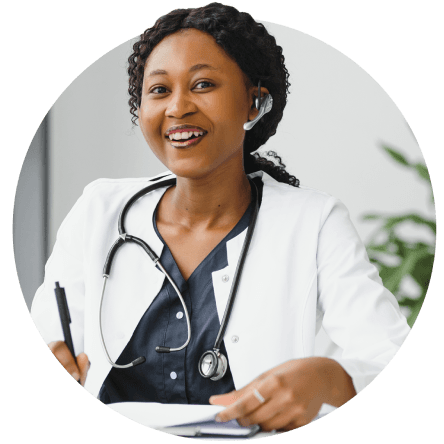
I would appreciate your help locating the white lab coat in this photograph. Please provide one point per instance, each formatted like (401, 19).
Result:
(306, 266)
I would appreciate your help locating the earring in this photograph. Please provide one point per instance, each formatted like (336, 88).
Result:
(264, 106)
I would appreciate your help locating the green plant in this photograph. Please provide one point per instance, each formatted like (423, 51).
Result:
(397, 258)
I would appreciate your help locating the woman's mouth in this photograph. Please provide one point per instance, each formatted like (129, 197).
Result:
(185, 137)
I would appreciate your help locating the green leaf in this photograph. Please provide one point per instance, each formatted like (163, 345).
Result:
(372, 216)
(397, 156)
(391, 222)
(386, 274)
(423, 172)
(423, 271)
(409, 302)
(401, 246)
(393, 280)
(415, 312)
(384, 248)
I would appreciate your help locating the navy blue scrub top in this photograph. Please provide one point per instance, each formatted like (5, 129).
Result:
(174, 377)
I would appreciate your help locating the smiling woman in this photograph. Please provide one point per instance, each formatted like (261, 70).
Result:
(249, 263)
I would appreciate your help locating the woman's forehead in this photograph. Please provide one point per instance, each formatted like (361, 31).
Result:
(187, 48)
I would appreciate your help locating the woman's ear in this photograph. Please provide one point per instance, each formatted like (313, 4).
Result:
(253, 96)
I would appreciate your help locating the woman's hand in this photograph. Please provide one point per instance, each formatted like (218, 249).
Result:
(77, 370)
(293, 393)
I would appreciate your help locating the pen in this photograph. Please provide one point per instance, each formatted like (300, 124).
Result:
(65, 318)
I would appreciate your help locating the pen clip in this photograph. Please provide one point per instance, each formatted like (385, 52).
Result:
(61, 292)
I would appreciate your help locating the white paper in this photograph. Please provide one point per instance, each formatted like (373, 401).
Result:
(324, 410)
(158, 415)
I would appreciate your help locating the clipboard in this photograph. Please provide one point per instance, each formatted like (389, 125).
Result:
(208, 429)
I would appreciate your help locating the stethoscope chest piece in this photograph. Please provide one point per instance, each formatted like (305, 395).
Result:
(213, 364)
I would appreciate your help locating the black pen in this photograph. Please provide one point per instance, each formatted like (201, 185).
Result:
(65, 318)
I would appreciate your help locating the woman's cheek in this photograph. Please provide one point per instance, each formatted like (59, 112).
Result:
(150, 128)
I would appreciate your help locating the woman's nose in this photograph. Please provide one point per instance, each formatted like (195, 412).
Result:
(180, 105)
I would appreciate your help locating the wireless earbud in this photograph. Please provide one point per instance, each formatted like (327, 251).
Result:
(264, 106)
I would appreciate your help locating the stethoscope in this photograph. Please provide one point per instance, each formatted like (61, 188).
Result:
(212, 364)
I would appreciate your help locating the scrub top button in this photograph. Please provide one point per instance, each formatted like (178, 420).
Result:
(179, 315)
(225, 278)
(235, 339)
(173, 375)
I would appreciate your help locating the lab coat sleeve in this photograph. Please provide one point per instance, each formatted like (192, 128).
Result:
(359, 313)
(65, 265)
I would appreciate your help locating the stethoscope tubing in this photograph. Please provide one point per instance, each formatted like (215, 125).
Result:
(131, 364)
(184, 309)
(137, 196)
(239, 268)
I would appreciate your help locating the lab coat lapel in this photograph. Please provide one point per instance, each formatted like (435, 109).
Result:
(221, 284)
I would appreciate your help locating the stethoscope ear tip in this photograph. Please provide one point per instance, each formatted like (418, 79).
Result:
(138, 361)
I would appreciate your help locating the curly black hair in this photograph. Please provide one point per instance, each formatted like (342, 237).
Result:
(258, 56)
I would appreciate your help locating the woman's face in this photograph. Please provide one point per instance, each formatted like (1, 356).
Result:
(191, 86)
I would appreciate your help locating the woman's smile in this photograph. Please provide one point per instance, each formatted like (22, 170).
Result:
(195, 100)
(183, 136)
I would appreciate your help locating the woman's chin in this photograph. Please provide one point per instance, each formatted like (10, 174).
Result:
(204, 166)
(189, 169)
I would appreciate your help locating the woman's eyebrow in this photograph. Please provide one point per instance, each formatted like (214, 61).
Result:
(202, 66)
(197, 67)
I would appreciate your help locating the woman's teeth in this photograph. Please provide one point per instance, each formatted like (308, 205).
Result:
(184, 135)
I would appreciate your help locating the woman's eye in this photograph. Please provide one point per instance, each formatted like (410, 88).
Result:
(203, 85)
(159, 90)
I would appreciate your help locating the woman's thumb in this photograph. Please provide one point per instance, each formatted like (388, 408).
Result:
(84, 365)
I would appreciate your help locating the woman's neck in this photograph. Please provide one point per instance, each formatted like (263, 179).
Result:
(208, 202)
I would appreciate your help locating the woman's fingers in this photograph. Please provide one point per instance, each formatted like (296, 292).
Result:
(84, 365)
(286, 420)
(250, 401)
(264, 412)
(225, 399)
(62, 353)
(230, 397)
(77, 370)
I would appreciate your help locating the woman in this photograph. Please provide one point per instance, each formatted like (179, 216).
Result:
(194, 80)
